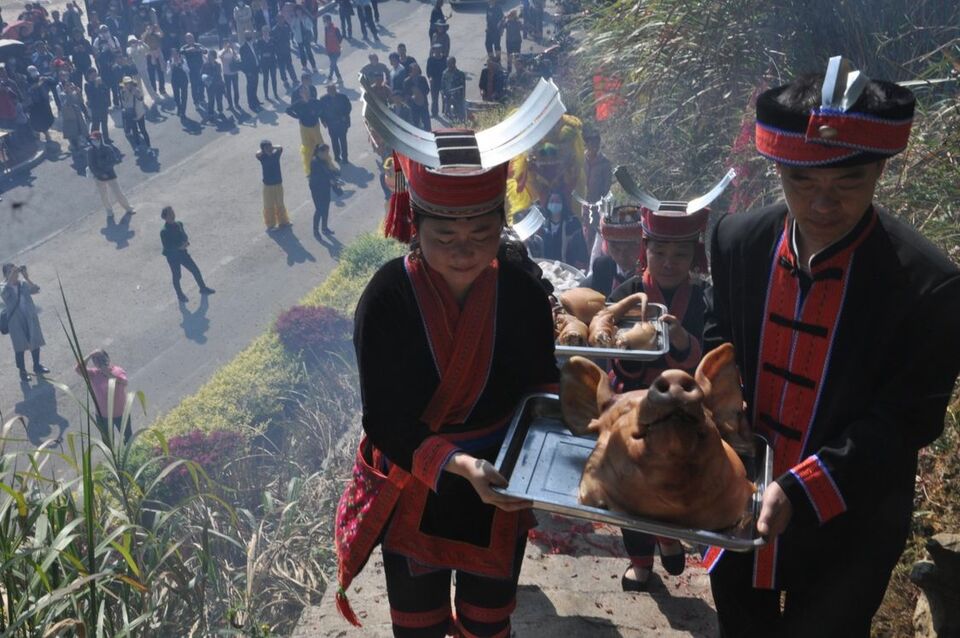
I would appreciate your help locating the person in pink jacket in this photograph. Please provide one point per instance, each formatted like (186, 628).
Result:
(100, 371)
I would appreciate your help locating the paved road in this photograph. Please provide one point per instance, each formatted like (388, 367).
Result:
(118, 284)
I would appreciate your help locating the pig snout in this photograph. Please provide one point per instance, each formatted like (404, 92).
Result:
(675, 389)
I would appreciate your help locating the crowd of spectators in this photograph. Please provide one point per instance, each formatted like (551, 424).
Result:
(110, 55)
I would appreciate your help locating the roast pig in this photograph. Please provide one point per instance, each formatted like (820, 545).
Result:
(668, 453)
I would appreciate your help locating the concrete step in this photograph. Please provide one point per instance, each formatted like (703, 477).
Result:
(569, 586)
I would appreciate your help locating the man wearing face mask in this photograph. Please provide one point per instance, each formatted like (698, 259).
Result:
(562, 234)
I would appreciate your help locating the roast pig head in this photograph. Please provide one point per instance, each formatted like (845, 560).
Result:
(669, 452)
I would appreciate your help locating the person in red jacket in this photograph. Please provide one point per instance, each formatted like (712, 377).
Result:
(331, 42)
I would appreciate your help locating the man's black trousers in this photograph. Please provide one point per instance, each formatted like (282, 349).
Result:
(838, 601)
(182, 259)
(338, 141)
(252, 81)
(321, 210)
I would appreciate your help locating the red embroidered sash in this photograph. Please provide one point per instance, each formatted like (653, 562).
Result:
(677, 307)
(795, 347)
(461, 340)
(462, 346)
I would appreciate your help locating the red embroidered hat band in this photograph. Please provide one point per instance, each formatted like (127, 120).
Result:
(623, 223)
(668, 225)
(455, 173)
(453, 191)
(857, 122)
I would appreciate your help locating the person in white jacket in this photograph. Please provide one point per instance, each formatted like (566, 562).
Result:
(134, 113)
(137, 50)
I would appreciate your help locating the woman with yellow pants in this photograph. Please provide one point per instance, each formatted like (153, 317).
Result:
(306, 109)
(274, 210)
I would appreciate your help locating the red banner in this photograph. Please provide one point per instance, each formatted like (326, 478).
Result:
(606, 96)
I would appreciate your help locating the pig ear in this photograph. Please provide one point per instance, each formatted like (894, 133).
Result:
(719, 379)
(584, 393)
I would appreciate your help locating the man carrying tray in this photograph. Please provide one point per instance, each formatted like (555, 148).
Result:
(844, 322)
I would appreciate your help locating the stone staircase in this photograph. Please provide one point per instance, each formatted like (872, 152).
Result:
(569, 587)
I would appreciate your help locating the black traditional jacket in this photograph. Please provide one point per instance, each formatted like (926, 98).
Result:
(847, 371)
(398, 377)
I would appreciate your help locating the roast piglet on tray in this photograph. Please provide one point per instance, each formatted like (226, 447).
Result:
(668, 453)
(570, 331)
(642, 336)
(603, 326)
(582, 303)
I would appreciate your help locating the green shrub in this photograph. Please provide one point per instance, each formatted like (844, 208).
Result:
(253, 389)
(370, 251)
(358, 262)
(243, 396)
(313, 332)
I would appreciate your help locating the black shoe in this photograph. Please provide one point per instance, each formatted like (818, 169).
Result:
(207, 291)
(328, 231)
(629, 584)
(182, 298)
(24, 375)
(674, 564)
(41, 370)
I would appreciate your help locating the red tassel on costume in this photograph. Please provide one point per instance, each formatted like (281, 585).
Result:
(399, 223)
(343, 606)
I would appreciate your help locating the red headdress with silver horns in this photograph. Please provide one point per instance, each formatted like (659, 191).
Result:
(673, 221)
(455, 173)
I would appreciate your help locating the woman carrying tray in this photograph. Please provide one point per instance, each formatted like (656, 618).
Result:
(671, 254)
(448, 339)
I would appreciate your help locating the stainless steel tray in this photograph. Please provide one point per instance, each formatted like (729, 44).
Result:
(654, 312)
(577, 274)
(543, 462)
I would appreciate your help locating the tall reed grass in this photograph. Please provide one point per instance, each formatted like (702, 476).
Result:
(88, 547)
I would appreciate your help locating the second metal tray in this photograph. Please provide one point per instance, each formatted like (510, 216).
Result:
(654, 311)
(543, 461)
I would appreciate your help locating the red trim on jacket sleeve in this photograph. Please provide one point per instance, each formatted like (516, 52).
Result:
(711, 558)
(694, 353)
(820, 488)
(429, 459)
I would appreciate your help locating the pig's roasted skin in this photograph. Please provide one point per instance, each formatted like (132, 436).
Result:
(659, 453)
(570, 331)
(603, 326)
(582, 303)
